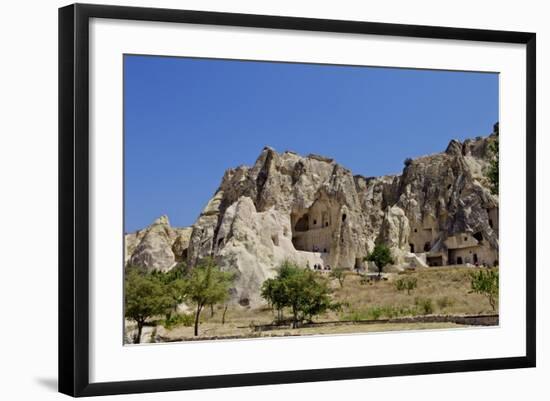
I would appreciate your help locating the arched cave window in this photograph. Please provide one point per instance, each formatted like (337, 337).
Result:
(465, 239)
(314, 222)
(220, 241)
(412, 247)
(344, 217)
(459, 260)
(490, 223)
(427, 246)
(478, 236)
(302, 224)
(416, 230)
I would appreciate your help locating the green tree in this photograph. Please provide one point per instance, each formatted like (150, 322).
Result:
(381, 256)
(174, 283)
(339, 274)
(145, 297)
(207, 285)
(492, 171)
(304, 292)
(485, 282)
(273, 292)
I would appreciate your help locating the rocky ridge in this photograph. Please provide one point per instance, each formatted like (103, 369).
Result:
(316, 212)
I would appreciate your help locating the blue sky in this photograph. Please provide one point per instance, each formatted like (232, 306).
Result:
(188, 120)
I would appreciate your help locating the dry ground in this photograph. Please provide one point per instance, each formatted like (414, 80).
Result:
(440, 291)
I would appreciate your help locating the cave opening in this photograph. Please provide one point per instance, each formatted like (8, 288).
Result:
(302, 224)
(311, 230)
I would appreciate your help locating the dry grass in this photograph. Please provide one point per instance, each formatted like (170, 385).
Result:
(447, 289)
(217, 331)
(443, 291)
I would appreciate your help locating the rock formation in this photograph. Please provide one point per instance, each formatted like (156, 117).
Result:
(313, 211)
(158, 247)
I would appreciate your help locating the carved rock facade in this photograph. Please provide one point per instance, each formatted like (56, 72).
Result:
(313, 211)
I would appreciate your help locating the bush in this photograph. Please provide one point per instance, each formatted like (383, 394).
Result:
(408, 161)
(179, 320)
(424, 305)
(339, 274)
(377, 312)
(355, 316)
(444, 302)
(406, 283)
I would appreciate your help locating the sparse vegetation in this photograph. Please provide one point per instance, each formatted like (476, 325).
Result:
(439, 291)
(339, 274)
(406, 283)
(424, 305)
(182, 319)
(444, 302)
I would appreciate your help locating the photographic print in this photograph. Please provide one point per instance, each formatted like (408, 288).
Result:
(267, 199)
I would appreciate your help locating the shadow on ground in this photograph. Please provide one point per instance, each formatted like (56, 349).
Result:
(49, 383)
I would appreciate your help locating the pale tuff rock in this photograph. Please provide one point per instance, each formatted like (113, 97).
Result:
(315, 212)
(181, 243)
(158, 247)
(395, 229)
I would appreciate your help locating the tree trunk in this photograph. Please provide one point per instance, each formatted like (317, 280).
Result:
(211, 310)
(197, 318)
(137, 338)
(295, 317)
(224, 312)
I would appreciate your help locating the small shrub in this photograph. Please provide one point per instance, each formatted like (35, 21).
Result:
(424, 305)
(408, 161)
(445, 302)
(339, 274)
(406, 283)
(183, 319)
(390, 312)
(354, 316)
(375, 313)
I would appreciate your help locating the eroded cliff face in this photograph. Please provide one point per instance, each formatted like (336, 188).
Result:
(313, 211)
(157, 247)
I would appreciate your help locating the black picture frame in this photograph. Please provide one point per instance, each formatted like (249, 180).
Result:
(74, 198)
